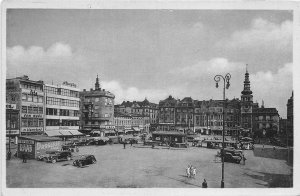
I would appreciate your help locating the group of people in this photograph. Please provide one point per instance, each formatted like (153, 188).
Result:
(191, 171)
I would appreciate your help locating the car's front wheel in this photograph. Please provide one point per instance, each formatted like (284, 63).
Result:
(79, 164)
(69, 158)
(53, 160)
(93, 161)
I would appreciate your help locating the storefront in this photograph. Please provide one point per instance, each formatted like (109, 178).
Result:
(36, 145)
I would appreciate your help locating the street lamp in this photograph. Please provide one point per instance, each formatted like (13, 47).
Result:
(226, 79)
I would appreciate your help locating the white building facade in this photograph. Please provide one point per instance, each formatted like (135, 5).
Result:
(62, 109)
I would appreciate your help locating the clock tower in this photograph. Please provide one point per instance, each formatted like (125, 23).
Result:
(246, 104)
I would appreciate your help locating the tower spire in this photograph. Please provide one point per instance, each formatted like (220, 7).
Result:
(246, 90)
(97, 85)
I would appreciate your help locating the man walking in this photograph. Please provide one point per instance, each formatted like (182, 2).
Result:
(124, 144)
(204, 184)
(244, 160)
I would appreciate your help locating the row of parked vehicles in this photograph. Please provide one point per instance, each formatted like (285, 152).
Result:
(55, 156)
(231, 155)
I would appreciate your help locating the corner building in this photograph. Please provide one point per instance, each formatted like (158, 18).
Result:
(97, 111)
(27, 98)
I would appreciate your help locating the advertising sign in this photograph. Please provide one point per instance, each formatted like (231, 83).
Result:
(11, 106)
(12, 132)
(32, 129)
(48, 145)
(32, 115)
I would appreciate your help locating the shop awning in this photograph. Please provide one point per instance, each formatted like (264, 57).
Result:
(136, 129)
(65, 132)
(75, 132)
(53, 133)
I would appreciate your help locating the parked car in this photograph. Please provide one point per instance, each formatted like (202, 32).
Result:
(232, 158)
(85, 160)
(59, 156)
(44, 157)
(233, 151)
(134, 140)
(70, 147)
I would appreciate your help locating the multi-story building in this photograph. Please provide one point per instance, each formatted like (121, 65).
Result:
(62, 109)
(290, 119)
(282, 126)
(97, 111)
(12, 121)
(232, 117)
(27, 96)
(146, 109)
(201, 114)
(166, 116)
(184, 114)
(266, 121)
(123, 122)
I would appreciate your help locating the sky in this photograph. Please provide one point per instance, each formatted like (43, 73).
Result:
(152, 54)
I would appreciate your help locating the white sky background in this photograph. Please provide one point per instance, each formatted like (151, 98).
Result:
(155, 53)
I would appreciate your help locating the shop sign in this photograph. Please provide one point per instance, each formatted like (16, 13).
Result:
(12, 132)
(48, 145)
(32, 115)
(32, 129)
(21, 141)
(25, 147)
(11, 106)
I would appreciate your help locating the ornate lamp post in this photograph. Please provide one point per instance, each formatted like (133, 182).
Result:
(226, 79)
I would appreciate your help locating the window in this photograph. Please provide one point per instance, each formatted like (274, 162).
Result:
(24, 109)
(24, 122)
(30, 98)
(41, 122)
(35, 99)
(40, 110)
(30, 109)
(35, 122)
(35, 110)
(96, 115)
(30, 122)
(40, 99)
(24, 97)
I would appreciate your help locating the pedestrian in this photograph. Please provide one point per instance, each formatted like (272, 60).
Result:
(244, 160)
(77, 149)
(130, 142)
(274, 148)
(194, 172)
(24, 158)
(188, 171)
(204, 184)
(124, 144)
(263, 147)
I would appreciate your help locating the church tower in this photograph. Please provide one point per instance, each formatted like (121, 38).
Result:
(97, 85)
(246, 104)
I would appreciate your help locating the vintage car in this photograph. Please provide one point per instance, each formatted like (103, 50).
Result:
(59, 156)
(232, 158)
(70, 147)
(44, 157)
(85, 160)
(233, 151)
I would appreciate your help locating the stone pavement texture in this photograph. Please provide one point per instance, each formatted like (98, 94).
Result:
(144, 167)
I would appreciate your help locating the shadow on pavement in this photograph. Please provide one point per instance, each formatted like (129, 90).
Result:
(184, 181)
(273, 180)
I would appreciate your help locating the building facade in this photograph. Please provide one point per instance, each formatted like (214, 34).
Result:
(97, 111)
(62, 109)
(166, 116)
(184, 115)
(27, 98)
(290, 118)
(123, 122)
